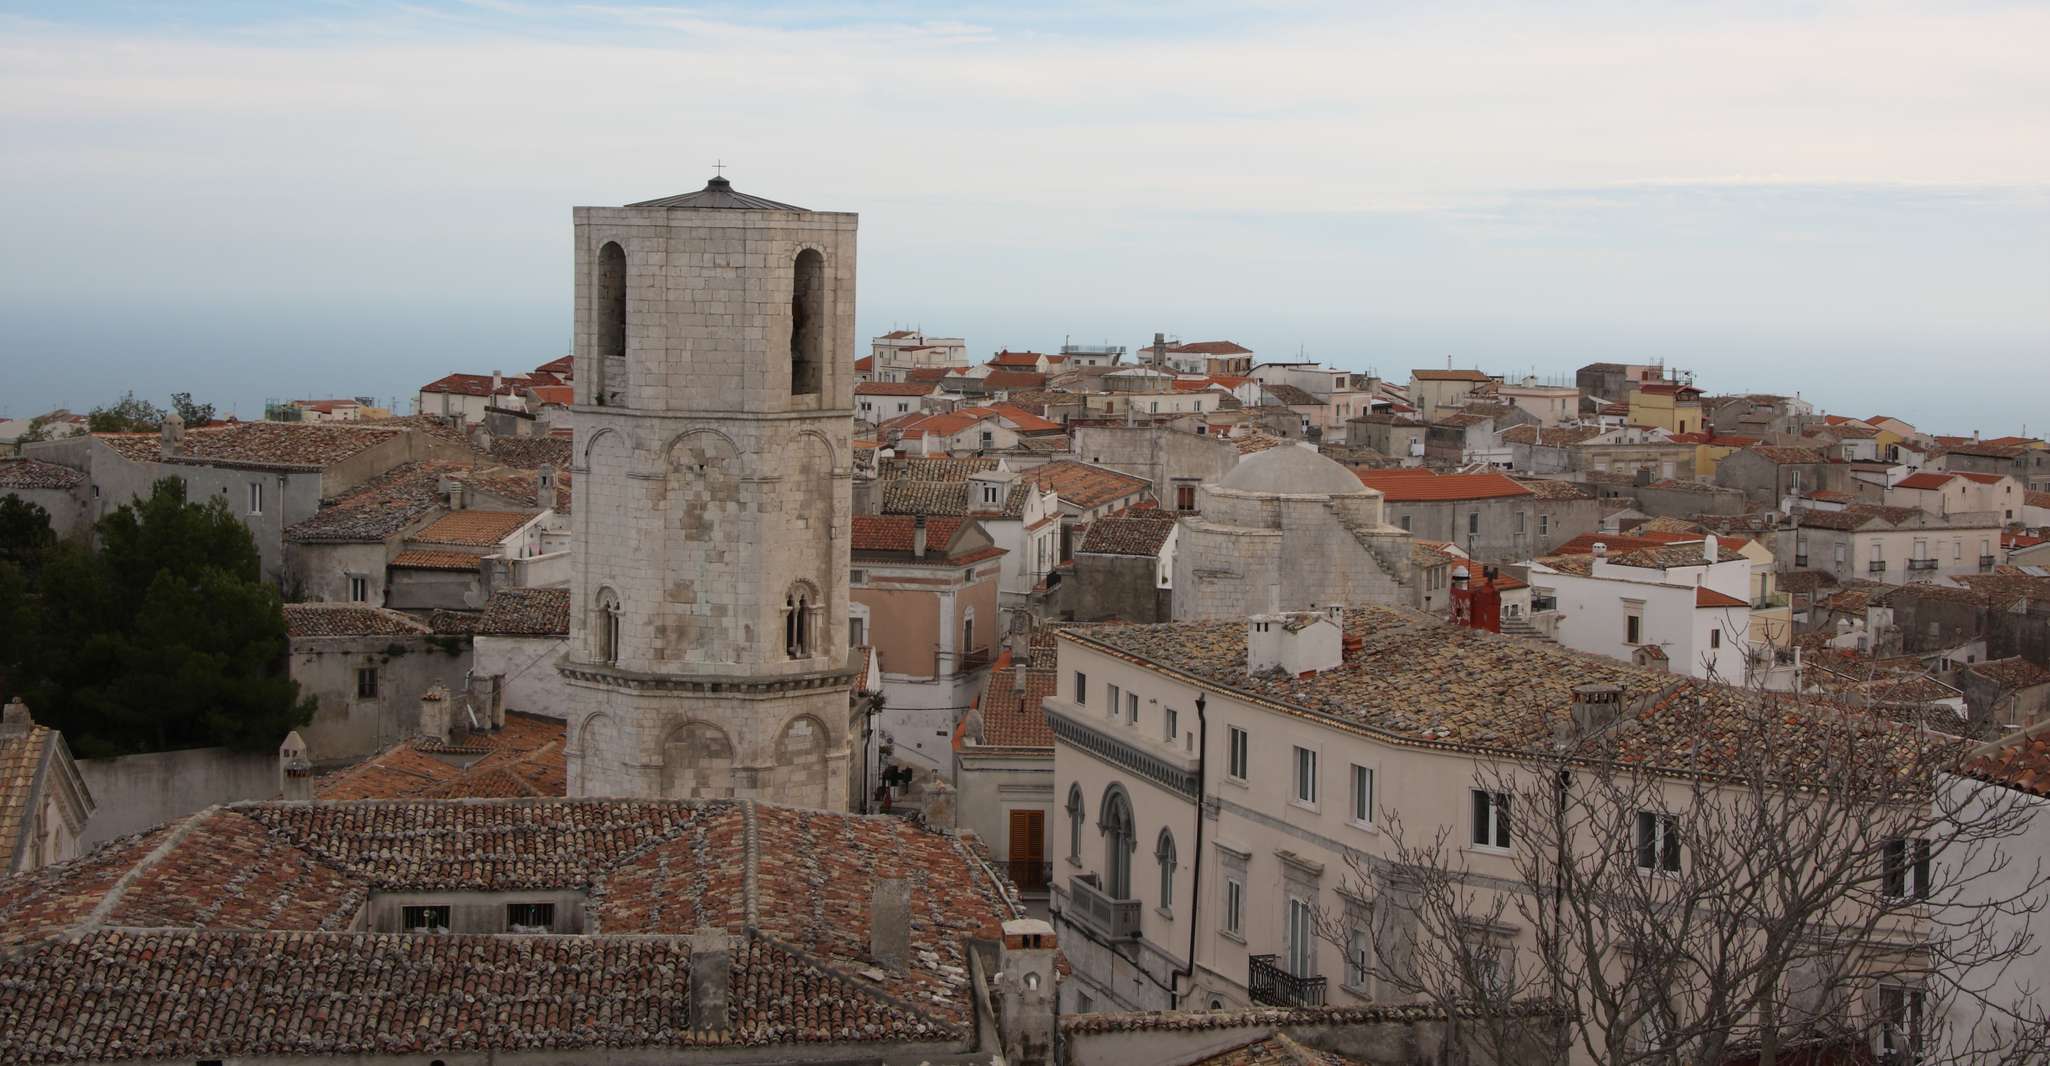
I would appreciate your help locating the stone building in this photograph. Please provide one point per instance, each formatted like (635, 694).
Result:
(44, 802)
(366, 666)
(708, 655)
(1289, 526)
(58, 490)
(1124, 568)
(1492, 517)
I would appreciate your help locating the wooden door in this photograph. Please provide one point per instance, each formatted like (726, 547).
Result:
(1028, 850)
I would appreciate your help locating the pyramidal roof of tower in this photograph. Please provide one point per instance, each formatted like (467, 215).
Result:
(719, 194)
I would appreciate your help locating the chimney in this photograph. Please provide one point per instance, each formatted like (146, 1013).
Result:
(15, 720)
(171, 435)
(1595, 707)
(711, 981)
(938, 803)
(1708, 548)
(1601, 551)
(1025, 992)
(544, 487)
(889, 922)
(918, 537)
(434, 713)
(295, 774)
(497, 383)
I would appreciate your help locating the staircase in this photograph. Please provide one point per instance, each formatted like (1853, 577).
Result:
(1521, 627)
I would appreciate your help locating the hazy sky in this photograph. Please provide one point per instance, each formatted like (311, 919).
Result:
(249, 199)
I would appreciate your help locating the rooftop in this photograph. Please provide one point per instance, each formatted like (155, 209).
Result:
(1417, 485)
(292, 444)
(520, 612)
(21, 766)
(523, 759)
(717, 195)
(158, 924)
(1011, 717)
(475, 528)
(1210, 348)
(1448, 375)
(1133, 531)
(1079, 484)
(348, 620)
(36, 474)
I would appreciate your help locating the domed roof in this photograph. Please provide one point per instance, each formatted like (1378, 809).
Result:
(1294, 471)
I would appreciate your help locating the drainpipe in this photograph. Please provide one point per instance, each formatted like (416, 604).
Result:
(1187, 970)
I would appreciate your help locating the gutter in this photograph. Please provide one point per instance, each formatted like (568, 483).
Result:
(1187, 970)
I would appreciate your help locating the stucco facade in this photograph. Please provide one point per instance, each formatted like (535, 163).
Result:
(708, 651)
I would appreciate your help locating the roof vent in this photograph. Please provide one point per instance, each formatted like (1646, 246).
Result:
(1596, 707)
(1295, 643)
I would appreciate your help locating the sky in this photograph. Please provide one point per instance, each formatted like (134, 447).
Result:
(252, 200)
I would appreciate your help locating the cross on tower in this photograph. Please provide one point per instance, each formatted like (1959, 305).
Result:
(719, 167)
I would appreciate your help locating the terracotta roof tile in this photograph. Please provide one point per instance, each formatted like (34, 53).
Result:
(295, 444)
(348, 620)
(526, 613)
(1081, 485)
(21, 761)
(475, 528)
(1418, 486)
(425, 559)
(532, 452)
(1133, 531)
(1708, 597)
(1211, 348)
(1448, 375)
(36, 474)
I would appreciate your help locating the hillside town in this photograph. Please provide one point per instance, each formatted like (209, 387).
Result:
(736, 688)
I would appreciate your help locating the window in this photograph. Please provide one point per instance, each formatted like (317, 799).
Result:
(424, 919)
(1544, 525)
(1236, 754)
(807, 322)
(1473, 521)
(1234, 906)
(1405, 523)
(611, 302)
(857, 577)
(1120, 839)
(1520, 517)
(1075, 823)
(799, 608)
(1356, 958)
(985, 438)
(1081, 689)
(359, 588)
(1658, 842)
(857, 631)
(366, 683)
(1305, 776)
(256, 497)
(968, 634)
(1715, 638)
(1900, 1025)
(1490, 819)
(1301, 942)
(1907, 868)
(989, 493)
(1132, 708)
(1163, 852)
(530, 917)
(1185, 497)
(1633, 629)
(1117, 699)
(1363, 795)
(606, 629)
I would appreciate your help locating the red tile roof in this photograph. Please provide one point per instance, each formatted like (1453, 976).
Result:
(1013, 718)
(481, 529)
(1924, 481)
(349, 620)
(895, 388)
(1448, 375)
(1024, 421)
(475, 385)
(1211, 348)
(1082, 485)
(1708, 597)
(1422, 486)
(1016, 359)
(427, 559)
(1008, 380)
(36, 474)
(521, 612)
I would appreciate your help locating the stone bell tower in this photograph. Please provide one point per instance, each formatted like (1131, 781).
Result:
(714, 405)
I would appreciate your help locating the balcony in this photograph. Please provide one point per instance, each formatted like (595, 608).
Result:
(1032, 876)
(1985, 562)
(1921, 564)
(1876, 566)
(1112, 918)
(1267, 982)
(1800, 562)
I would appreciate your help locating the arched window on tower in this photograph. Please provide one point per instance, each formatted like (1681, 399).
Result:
(605, 627)
(800, 621)
(609, 303)
(807, 322)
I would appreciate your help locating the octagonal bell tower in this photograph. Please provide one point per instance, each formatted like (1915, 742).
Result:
(714, 408)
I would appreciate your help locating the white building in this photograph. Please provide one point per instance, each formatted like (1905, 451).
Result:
(1665, 608)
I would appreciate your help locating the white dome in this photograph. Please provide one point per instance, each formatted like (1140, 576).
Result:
(1293, 471)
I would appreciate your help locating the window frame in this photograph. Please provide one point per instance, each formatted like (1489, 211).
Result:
(255, 499)
(1303, 777)
(359, 583)
(1117, 696)
(363, 691)
(1081, 689)
(1492, 809)
(1360, 784)
(1238, 755)
(1234, 908)
(408, 913)
(1655, 843)
(545, 909)
(1905, 869)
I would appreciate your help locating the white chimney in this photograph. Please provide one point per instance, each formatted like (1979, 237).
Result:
(1297, 643)
(1708, 548)
(1601, 551)
(918, 537)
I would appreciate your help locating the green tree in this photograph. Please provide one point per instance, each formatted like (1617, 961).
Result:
(192, 414)
(165, 637)
(127, 415)
(25, 533)
(38, 430)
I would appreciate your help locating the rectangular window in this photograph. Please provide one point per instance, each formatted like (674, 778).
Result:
(366, 683)
(1237, 752)
(1907, 868)
(1185, 497)
(1171, 724)
(1356, 958)
(1658, 842)
(1302, 938)
(424, 919)
(1633, 629)
(1519, 521)
(857, 631)
(256, 497)
(1715, 638)
(1490, 819)
(1305, 776)
(1081, 689)
(1116, 699)
(530, 917)
(1132, 708)
(1900, 1025)
(1544, 525)
(1405, 524)
(1363, 795)
(1234, 906)
(1473, 521)
(359, 588)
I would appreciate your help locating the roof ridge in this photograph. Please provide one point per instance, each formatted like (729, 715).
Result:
(112, 899)
(751, 870)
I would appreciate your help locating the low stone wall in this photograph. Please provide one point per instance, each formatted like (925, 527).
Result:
(134, 792)
(1409, 1035)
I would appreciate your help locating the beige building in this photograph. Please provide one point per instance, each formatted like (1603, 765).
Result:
(1893, 545)
(1431, 391)
(708, 655)
(1551, 405)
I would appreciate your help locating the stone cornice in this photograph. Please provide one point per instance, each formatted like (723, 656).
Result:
(706, 684)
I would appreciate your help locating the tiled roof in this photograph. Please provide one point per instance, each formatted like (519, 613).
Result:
(36, 474)
(2020, 762)
(936, 468)
(532, 452)
(1448, 375)
(1210, 348)
(428, 559)
(1782, 456)
(1924, 480)
(1024, 421)
(1290, 395)
(1012, 718)
(1009, 358)
(1251, 443)
(1554, 489)
(1550, 436)
(378, 508)
(348, 620)
(1277, 1050)
(21, 760)
(526, 613)
(1416, 485)
(1708, 597)
(298, 444)
(1133, 531)
(479, 529)
(1460, 419)
(892, 535)
(1666, 556)
(1419, 680)
(1014, 379)
(134, 447)
(894, 388)
(1082, 485)
(227, 936)
(473, 385)
(523, 759)
(2011, 673)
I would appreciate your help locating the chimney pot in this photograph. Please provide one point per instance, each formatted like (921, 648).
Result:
(711, 981)
(434, 713)
(1708, 548)
(918, 537)
(889, 922)
(1601, 550)
(15, 720)
(1595, 707)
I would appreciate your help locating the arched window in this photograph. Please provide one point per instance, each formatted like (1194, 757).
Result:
(605, 627)
(800, 621)
(807, 322)
(1120, 840)
(609, 305)
(1163, 850)
(1075, 822)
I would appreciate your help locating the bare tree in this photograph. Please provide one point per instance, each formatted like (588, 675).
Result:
(1801, 877)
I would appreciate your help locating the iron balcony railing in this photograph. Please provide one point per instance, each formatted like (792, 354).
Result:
(1267, 982)
(1877, 566)
(1985, 562)
(1113, 918)
(1921, 564)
